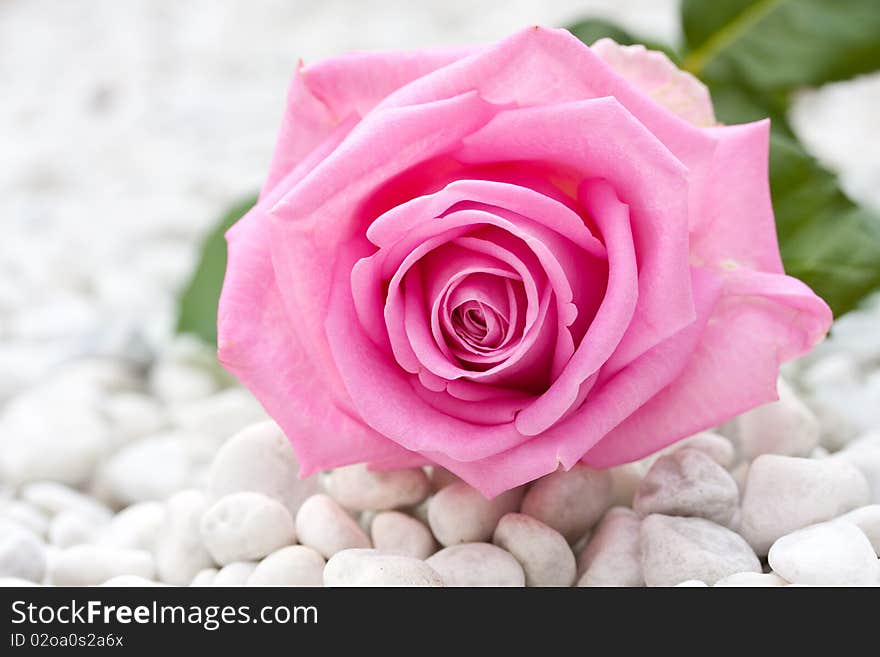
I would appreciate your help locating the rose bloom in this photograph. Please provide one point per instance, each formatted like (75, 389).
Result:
(509, 258)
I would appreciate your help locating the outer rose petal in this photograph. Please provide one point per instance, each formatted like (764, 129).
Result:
(340, 89)
(735, 225)
(653, 72)
(257, 345)
(761, 321)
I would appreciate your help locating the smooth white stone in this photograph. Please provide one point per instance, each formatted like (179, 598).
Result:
(360, 567)
(173, 381)
(72, 528)
(394, 532)
(52, 498)
(543, 552)
(180, 553)
(752, 580)
(131, 580)
(205, 577)
(22, 555)
(785, 493)
(246, 526)
(713, 445)
(87, 565)
(234, 574)
(719, 448)
(570, 502)
(693, 583)
(294, 565)
(325, 526)
(24, 515)
(477, 564)
(137, 526)
(6, 582)
(688, 483)
(786, 427)
(359, 489)
(219, 415)
(866, 518)
(260, 459)
(864, 454)
(152, 468)
(63, 445)
(827, 554)
(677, 549)
(460, 514)
(134, 415)
(612, 557)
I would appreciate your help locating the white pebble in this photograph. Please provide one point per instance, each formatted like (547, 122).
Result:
(677, 549)
(152, 468)
(749, 579)
(359, 567)
(785, 493)
(325, 526)
(543, 553)
(688, 483)
(220, 415)
(246, 526)
(72, 528)
(63, 445)
(180, 553)
(16, 582)
(24, 515)
(131, 580)
(357, 488)
(137, 526)
(477, 564)
(205, 577)
(786, 427)
(864, 454)
(173, 381)
(53, 498)
(827, 554)
(866, 518)
(394, 532)
(460, 514)
(234, 574)
(613, 555)
(693, 583)
(87, 565)
(22, 555)
(260, 459)
(570, 502)
(713, 445)
(134, 415)
(294, 565)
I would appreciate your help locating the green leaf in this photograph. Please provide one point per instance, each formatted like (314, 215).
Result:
(591, 30)
(778, 45)
(197, 309)
(825, 239)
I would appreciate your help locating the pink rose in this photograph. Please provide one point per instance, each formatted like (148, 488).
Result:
(505, 258)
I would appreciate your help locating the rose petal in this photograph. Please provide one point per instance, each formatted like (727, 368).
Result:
(653, 73)
(761, 321)
(258, 347)
(342, 90)
(735, 225)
